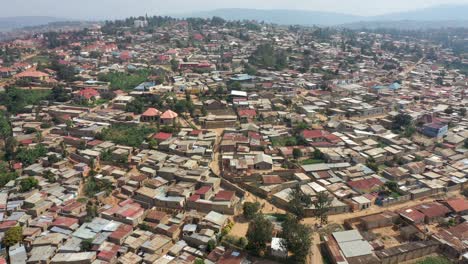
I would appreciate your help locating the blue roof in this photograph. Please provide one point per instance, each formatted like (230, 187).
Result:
(144, 86)
(394, 86)
(241, 77)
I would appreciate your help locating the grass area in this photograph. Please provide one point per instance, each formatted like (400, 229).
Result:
(279, 217)
(17, 99)
(284, 141)
(435, 260)
(124, 81)
(129, 135)
(42, 59)
(311, 161)
(95, 103)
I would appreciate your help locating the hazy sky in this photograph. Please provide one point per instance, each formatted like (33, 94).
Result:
(99, 9)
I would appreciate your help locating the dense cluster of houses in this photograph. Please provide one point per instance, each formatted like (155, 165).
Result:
(332, 128)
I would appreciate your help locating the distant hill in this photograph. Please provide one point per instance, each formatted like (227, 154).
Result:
(7, 23)
(407, 24)
(433, 17)
(435, 13)
(278, 16)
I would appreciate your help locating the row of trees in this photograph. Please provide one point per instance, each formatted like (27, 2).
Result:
(296, 236)
(266, 56)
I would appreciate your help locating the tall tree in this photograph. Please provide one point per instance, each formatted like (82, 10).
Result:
(322, 206)
(297, 239)
(298, 202)
(259, 234)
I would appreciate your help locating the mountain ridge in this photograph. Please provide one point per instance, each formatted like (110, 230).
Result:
(440, 13)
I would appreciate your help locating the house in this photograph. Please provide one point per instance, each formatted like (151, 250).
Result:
(247, 115)
(395, 173)
(233, 257)
(169, 117)
(458, 205)
(435, 129)
(215, 104)
(6, 72)
(161, 136)
(263, 162)
(32, 75)
(150, 115)
(87, 95)
(74, 258)
(313, 135)
(278, 249)
(366, 185)
(433, 211)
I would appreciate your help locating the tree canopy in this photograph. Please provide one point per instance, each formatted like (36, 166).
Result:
(266, 56)
(297, 239)
(259, 234)
(13, 236)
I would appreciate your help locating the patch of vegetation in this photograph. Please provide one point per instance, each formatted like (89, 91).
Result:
(124, 81)
(284, 141)
(129, 135)
(259, 234)
(13, 236)
(297, 239)
(435, 260)
(266, 56)
(16, 100)
(279, 217)
(251, 209)
(5, 174)
(28, 156)
(28, 184)
(94, 186)
(311, 161)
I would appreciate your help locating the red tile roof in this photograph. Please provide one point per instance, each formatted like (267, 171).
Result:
(365, 184)
(224, 195)
(151, 112)
(458, 204)
(88, 93)
(431, 210)
(272, 179)
(122, 231)
(312, 134)
(64, 221)
(194, 198)
(162, 136)
(412, 215)
(169, 115)
(31, 74)
(203, 190)
(247, 113)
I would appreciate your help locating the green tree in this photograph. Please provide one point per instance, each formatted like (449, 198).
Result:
(28, 184)
(13, 236)
(250, 209)
(259, 234)
(199, 261)
(297, 153)
(463, 111)
(29, 156)
(317, 154)
(174, 65)
(297, 239)
(5, 128)
(298, 202)
(211, 245)
(322, 206)
(86, 245)
(401, 121)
